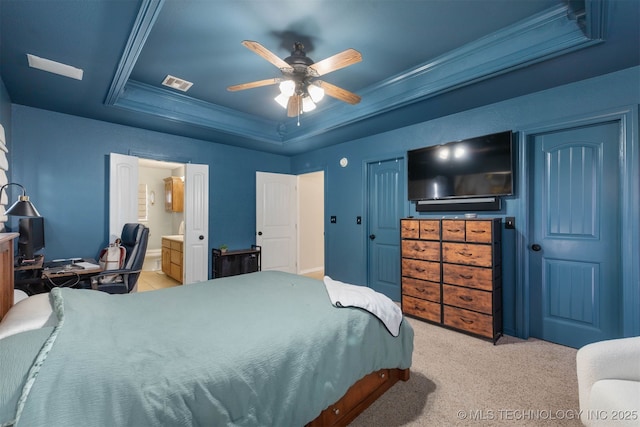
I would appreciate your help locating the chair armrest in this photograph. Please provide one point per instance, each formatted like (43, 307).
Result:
(611, 359)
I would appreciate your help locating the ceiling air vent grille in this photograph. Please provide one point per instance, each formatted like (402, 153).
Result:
(176, 83)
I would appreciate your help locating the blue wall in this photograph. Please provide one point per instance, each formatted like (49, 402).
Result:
(5, 111)
(5, 120)
(346, 241)
(63, 161)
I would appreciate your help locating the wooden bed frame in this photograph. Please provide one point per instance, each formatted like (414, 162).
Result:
(359, 397)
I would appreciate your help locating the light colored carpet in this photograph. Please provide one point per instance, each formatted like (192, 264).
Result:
(458, 379)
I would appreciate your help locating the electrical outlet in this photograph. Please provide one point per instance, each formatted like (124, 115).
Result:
(358, 220)
(333, 219)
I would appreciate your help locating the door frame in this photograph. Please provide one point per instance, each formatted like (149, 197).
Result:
(300, 236)
(204, 265)
(297, 213)
(629, 160)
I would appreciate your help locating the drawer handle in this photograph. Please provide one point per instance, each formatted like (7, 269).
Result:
(417, 307)
(465, 254)
(420, 270)
(478, 231)
(466, 298)
(336, 411)
(463, 276)
(421, 290)
(454, 230)
(429, 230)
(468, 322)
(382, 375)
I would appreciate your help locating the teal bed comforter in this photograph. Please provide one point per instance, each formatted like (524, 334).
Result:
(262, 349)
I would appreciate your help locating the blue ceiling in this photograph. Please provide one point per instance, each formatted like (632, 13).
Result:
(421, 60)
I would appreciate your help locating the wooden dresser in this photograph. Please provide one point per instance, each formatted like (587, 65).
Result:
(452, 273)
(6, 272)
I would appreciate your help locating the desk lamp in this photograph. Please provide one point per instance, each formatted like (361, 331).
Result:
(22, 207)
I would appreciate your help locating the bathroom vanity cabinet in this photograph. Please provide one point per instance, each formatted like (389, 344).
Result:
(172, 255)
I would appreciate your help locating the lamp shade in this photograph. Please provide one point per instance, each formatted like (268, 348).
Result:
(22, 207)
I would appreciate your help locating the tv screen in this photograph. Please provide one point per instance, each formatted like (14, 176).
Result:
(31, 238)
(475, 167)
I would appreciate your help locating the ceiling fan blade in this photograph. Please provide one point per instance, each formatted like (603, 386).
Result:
(337, 92)
(267, 54)
(335, 62)
(257, 83)
(294, 106)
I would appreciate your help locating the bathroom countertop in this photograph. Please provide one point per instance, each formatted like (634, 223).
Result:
(176, 237)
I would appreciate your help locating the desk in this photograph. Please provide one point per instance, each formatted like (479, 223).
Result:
(41, 277)
(28, 277)
(69, 274)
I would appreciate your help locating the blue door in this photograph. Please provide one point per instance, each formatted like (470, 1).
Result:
(574, 250)
(385, 204)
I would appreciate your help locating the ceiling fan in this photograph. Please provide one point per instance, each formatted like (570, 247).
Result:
(300, 89)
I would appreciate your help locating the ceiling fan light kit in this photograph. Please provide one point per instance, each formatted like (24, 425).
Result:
(299, 89)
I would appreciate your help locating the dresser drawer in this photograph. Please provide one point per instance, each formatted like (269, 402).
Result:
(470, 321)
(453, 230)
(425, 270)
(479, 231)
(430, 229)
(471, 277)
(470, 254)
(410, 229)
(470, 299)
(421, 249)
(421, 289)
(421, 308)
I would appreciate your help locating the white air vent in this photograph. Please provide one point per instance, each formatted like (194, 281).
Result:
(54, 67)
(176, 83)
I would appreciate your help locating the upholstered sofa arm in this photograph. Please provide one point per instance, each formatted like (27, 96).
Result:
(617, 359)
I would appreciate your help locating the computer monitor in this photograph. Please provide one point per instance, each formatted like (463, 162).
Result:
(31, 239)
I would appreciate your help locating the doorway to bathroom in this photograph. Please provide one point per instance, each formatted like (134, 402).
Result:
(153, 212)
(126, 198)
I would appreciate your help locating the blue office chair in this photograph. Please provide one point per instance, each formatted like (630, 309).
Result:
(134, 239)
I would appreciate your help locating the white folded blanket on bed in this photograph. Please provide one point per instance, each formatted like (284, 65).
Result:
(381, 306)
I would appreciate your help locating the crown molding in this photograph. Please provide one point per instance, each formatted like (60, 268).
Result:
(554, 32)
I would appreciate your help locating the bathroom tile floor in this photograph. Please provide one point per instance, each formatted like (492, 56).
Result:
(153, 280)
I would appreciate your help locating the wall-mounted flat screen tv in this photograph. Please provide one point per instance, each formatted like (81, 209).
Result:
(475, 167)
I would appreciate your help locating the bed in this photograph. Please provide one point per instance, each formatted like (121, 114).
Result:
(261, 349)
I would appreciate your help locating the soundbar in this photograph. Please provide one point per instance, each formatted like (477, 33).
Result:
(454, 205)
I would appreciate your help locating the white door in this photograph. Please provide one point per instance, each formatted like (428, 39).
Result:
(276, 215)
(196, 224)
(123, 193)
